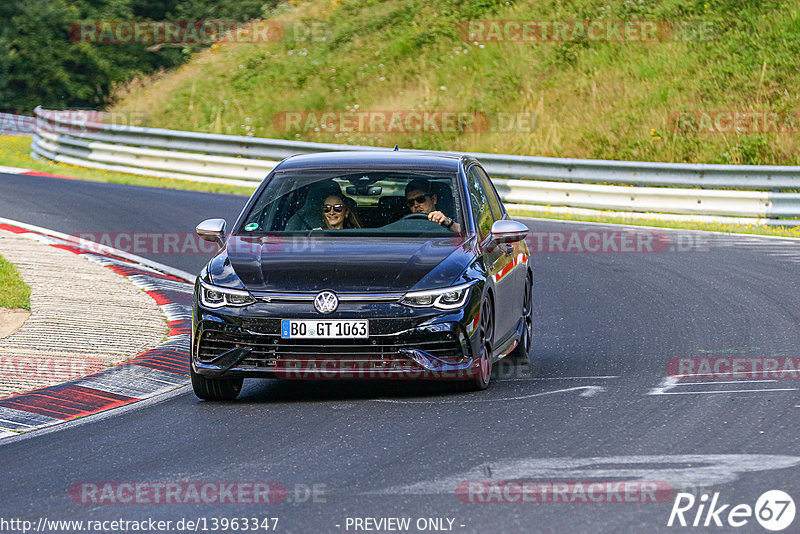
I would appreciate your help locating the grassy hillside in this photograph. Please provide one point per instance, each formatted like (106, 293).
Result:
(588, 99)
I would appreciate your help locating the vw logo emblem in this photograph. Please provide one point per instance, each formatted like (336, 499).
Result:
(326, 302)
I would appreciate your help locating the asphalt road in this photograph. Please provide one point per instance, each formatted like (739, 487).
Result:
(594, 405)
(138, 219)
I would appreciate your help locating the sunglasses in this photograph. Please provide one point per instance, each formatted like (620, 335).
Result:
(336, 207)
(419, 200)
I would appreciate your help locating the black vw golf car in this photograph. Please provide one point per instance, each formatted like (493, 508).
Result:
(373, 264)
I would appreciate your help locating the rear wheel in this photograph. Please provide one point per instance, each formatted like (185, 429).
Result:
(216, 389)
(521, 353)
(481, 381)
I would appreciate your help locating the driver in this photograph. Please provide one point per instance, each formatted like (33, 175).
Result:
(420, 198)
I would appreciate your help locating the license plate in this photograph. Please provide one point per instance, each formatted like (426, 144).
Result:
(324, 329)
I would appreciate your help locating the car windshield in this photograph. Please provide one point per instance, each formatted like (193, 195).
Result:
(355, 203)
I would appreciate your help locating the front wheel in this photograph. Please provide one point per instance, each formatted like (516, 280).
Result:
(521, 354)
(481, 381)
(215, 389)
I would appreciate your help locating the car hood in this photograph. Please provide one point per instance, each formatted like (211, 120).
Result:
(341, 264)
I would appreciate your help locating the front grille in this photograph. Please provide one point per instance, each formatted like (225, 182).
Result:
(376, 351)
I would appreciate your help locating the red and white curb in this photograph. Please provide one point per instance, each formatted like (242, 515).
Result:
(153, 372)
(31, 172)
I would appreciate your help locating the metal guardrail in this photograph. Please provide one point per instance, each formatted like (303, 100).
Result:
(731, 193)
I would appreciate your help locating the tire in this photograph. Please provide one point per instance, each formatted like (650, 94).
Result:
(481, 382)
(216, 389)
(521, 353)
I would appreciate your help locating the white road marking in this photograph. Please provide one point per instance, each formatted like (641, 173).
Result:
(671, 382)
(724, 391)
(12, 170)
(588, 391)
(690, 375)
(666, 384)
(561, 378)
(698, 470)
(726, 382)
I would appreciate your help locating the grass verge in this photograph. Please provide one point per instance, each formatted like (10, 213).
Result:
(15, 152)
(14, 293)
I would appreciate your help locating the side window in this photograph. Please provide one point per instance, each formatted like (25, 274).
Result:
(494, 201)
(480, 204)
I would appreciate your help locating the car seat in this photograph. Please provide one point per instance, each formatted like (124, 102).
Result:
(309, 216)
(444, 198)
(392, 208)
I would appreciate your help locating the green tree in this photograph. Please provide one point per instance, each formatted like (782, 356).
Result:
(40, 65)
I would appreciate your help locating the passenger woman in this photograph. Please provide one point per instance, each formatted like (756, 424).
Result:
(338, 214)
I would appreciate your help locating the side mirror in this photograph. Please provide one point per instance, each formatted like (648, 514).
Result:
(507, 231)
(212, 230)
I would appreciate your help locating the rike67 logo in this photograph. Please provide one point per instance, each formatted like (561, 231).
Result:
(774, 510)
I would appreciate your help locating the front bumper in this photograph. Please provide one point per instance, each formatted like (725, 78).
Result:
(403, 344)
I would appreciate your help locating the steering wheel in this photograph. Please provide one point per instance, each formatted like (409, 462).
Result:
(417, 216)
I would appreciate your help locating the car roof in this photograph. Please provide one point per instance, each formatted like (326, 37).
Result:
(395, 160)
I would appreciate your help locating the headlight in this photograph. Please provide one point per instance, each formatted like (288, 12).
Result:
(217, 297)
(448, 298)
